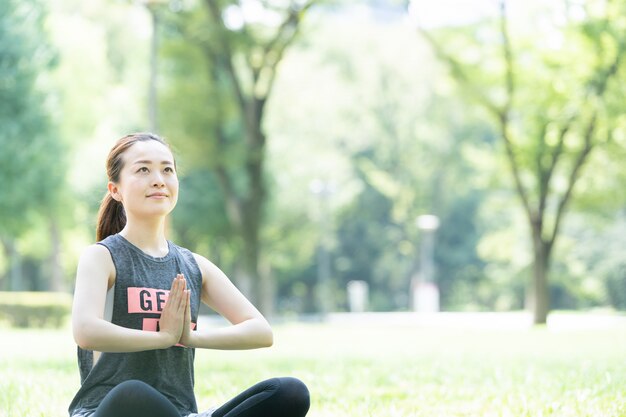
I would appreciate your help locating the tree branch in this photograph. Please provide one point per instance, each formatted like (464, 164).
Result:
(227, 56)
(505, 112)
(517, 178)
(580, 160)
(545, 175)
(291, 22)
(508, 58)
(456, 69)
(601, 81)
(273, 53)
(502, 114)
(539, 162)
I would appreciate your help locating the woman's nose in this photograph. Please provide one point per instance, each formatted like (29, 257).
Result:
(158, 180)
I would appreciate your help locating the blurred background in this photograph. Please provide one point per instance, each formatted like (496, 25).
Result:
(333, 155)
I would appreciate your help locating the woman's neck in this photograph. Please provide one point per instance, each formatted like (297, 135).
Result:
(147, 236)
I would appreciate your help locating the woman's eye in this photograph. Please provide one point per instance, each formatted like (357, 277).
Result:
(143, 169)
(169, 169)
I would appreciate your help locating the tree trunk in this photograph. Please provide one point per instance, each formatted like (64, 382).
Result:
(15, 276)
(245, 210)
(540, 294)
(255, 278)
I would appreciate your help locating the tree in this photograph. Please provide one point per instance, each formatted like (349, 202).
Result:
(547, 123)
(31, 162)
(241, 56)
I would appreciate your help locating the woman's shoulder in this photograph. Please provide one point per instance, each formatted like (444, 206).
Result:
(200, 259)
(96, 253)
(207, 267)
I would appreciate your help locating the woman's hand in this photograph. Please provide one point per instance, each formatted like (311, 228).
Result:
(172, 323)
(185, 338)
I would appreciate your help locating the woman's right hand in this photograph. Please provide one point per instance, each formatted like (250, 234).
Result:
(172, 322)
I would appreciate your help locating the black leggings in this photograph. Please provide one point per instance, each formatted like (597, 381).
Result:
(276, 397)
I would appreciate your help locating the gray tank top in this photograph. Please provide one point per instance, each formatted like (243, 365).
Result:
(141, 288)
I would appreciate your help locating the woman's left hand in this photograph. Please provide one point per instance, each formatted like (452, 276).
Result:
(185, 337)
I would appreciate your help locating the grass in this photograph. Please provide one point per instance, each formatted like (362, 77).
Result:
(362, 370)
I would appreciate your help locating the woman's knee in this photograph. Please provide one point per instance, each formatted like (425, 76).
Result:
(295, 395)
(130, 388)
(131, 393)
(134, 398)
(133, 384)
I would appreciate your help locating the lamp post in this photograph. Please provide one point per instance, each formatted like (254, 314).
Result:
(425, 292)
(323, 190)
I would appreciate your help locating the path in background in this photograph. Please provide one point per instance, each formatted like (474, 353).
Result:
(486, 320)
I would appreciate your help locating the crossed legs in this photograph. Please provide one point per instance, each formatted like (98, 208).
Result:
(276, 397)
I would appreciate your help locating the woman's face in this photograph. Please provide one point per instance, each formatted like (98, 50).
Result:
(148, 184)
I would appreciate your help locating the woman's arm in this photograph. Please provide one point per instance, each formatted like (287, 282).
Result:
(92, 332)
(249, 328)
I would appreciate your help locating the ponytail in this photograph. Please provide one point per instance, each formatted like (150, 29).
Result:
(111, 218)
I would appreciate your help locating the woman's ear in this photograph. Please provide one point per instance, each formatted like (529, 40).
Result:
(114, 191)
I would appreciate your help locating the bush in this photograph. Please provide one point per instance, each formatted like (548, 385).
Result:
(35, 309)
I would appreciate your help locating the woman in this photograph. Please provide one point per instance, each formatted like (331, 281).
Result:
(136, 305)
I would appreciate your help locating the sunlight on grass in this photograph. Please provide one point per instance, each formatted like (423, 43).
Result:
(368, 370)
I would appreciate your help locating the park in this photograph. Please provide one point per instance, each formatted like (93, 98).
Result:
(424, 199)
(382, 366)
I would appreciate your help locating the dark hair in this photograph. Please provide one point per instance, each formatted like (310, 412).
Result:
(111, 216)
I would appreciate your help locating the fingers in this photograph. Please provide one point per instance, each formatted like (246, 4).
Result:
(174, 313)
(179, 283)
(184, 338)
(177, 299)
(188, 306)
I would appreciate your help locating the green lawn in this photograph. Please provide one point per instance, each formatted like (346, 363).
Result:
(369, 370)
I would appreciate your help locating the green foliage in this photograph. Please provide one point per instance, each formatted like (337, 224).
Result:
(33, 161)
(360, 254)
(591, 268)
(199, 220)
(31, 157)
(35, 309)
(550, 115)
(459, 268)
(408, 145)
(358, 101)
